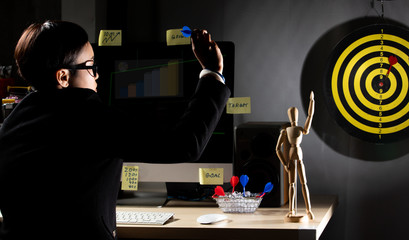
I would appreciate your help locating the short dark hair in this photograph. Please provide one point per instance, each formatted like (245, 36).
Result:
(45, 48)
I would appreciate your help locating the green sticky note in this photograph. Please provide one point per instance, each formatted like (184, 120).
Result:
(175, 37)
(211, 176)
(130, 176)
(110, 38)
(238, 105)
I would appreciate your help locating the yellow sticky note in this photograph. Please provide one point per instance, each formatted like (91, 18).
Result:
(175, 37)
(211, 176)
(110, 38)
(238, 105)
(130, 175)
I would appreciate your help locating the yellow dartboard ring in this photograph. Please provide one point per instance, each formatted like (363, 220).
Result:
(366, 83)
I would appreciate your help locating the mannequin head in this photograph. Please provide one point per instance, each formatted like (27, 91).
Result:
(293, 115)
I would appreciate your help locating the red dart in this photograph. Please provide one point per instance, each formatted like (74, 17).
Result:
(392, 61)
(234, 181)
(218, 191)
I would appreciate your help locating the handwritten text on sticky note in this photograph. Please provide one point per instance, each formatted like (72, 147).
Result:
(175, 37)
(110, 38)
(130, 175)
(211, 176)
(238, 105)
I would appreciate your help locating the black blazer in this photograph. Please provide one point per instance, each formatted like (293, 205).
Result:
(60, 158)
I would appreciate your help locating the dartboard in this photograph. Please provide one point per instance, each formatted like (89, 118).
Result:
(366, 83)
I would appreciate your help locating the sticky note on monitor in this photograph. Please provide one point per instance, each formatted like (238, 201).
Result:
(211, 176)
(238, 105)
(130, 176)
(110, 38)
(175, 37)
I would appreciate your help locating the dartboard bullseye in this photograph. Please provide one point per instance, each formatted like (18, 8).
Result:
(366, 83)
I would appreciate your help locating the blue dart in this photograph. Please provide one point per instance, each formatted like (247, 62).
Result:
(244, 179)
(269, 186)
(186, 31)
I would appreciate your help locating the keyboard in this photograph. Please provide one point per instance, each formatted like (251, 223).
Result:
(129, 217)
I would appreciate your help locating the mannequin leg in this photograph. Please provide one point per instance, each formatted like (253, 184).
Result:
(291, 191)
(291, 200)
(305, 191)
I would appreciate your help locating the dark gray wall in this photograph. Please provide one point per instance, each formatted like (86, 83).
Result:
(16, 15)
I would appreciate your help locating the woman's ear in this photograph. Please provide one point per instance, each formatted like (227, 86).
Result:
(63, 76)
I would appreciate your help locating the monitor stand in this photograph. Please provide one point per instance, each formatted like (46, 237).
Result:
(153, 194)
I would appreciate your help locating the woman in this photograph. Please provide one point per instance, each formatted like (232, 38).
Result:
(60, 147)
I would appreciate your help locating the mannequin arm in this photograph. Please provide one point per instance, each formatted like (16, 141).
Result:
(280, 154)
(311, 110)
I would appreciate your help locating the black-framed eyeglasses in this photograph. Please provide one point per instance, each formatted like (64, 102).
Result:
(93, 68)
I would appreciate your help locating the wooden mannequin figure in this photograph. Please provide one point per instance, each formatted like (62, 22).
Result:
(293, 160)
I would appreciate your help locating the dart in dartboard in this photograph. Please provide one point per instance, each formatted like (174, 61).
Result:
(382, 84)
(392, 61)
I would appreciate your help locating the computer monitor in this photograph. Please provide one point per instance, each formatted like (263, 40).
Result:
(153, 80)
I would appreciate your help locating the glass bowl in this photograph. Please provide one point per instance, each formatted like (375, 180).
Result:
(237, 203)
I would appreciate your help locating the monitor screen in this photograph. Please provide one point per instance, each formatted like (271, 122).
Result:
(156, 81)
(144, 78)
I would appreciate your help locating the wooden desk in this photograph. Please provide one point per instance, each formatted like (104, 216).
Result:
(265, 222)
